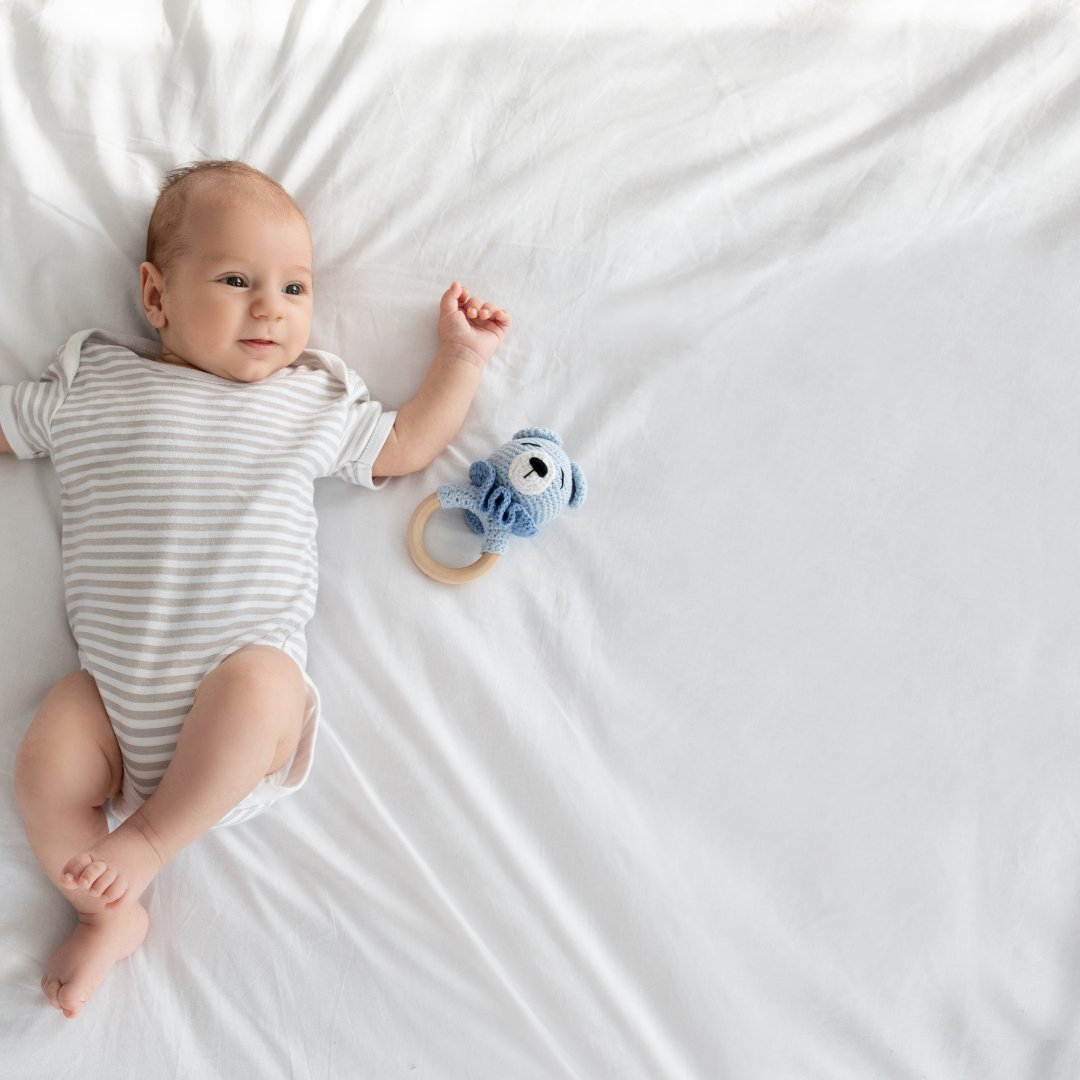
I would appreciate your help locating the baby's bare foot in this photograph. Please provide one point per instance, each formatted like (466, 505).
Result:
(119, 866)
(78, 967)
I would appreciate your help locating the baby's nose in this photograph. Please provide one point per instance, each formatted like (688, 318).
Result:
(266, 307)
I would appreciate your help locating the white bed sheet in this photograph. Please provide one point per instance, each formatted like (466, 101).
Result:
(763, 763)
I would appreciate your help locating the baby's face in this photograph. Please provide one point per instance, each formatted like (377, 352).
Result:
(237, 301)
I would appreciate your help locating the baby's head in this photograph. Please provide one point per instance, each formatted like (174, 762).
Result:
(227, 277)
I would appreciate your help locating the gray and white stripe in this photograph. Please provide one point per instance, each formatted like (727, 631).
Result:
(188, 524)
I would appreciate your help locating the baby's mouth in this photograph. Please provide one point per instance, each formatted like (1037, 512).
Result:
(262, 344)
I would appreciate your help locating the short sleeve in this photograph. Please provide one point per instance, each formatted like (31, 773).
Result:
(365, 425)
(27, 410)
(365, 430)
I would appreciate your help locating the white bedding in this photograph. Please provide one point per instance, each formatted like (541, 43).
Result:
(762, 763)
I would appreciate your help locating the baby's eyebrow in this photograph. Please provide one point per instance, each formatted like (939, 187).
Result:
(239, 260)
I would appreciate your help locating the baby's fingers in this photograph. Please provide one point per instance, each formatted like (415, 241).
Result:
(490, 314)
(457, 298)
(475, 309)
(452, 298)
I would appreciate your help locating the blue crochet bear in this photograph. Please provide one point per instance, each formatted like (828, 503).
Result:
(526, 482)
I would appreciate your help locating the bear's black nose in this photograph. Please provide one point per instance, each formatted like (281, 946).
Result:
(538, 467)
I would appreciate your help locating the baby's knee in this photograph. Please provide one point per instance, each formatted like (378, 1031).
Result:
(274, 664)
(263, 672)
(38, 767)
(69, 750)
(50, 772)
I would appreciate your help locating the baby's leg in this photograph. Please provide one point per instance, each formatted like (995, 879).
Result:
(68, 764)
(244, 723)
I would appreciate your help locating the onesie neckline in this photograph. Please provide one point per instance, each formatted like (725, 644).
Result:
(198, 375)
(146, 352)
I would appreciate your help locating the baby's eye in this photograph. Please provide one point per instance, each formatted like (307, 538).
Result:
(235, 280)
(294, 289)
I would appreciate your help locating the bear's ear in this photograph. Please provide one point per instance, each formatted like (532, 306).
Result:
(577, 492)
(482, 474)
(539, 433)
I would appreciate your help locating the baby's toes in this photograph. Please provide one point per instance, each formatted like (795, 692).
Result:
(51, 987)
(73, 869)
(116, 890)
(103, 882)
(92, 873)
(72, 998)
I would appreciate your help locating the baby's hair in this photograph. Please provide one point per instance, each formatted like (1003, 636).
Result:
(236, 179)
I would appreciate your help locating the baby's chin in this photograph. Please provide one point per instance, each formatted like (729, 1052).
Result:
(253, 364)
(240, 367)
(253, 372)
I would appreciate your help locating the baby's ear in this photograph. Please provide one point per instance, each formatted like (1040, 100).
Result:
(577, 492)
(539, 433)
(152, 286)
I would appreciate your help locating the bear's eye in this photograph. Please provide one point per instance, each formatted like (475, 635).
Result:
(532, 472)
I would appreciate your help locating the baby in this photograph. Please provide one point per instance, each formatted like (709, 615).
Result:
(187, 473)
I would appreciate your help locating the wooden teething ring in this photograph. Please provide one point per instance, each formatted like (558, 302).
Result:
(450, 575)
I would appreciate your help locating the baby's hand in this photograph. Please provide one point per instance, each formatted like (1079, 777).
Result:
(470, 323)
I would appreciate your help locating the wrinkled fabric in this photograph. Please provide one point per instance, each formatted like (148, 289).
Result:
(761, 764)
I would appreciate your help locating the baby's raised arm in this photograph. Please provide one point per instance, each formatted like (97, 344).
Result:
(5, 448)
(469, 332)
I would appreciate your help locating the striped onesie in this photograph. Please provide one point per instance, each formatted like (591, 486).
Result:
(188, 524)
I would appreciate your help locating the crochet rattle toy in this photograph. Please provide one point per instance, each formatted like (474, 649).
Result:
(526, 482)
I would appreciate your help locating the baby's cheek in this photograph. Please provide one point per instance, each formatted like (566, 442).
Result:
(208, 325)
